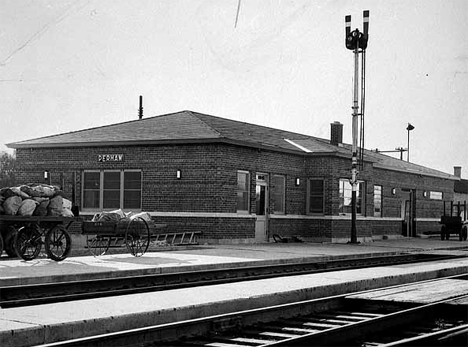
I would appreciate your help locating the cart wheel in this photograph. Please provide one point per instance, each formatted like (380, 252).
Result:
(9, 244)
(463, 233)
(28, 242)
(57, 243)
(442, 233)
(137, 236)
(97, 245)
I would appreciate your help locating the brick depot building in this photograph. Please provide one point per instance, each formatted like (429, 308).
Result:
(236, 182)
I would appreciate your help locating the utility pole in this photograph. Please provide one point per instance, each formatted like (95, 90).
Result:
(408, 128)
(357, 42)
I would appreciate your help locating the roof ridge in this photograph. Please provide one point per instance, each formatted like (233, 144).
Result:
(194, 114)
(260, 126)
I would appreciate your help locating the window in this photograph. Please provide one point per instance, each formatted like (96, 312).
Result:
(279, 192)
(91, 189)
(435, 195)
(132, 190)
(377, 201)
(105, 190)
(316, 196)
(243, 184)
(345, 196)
(111, 190)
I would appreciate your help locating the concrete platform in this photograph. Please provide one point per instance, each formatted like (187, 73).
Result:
(28, 326)
(120, 263)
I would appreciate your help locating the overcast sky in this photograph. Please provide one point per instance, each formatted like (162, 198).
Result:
(67, 65)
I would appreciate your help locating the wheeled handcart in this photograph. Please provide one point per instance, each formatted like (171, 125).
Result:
(133, 233)
(24, 236)
(453, 223)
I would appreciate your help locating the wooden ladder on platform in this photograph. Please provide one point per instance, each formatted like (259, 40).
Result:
(182, 238)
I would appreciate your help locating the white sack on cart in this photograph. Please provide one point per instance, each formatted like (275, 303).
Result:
(27, 207)
(67, 204)
(143, 215)
(67, 213)
(17, 191)
(12, 204)
(55, 206)
(119, 212)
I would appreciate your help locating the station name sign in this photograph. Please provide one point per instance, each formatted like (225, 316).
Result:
(110, 157)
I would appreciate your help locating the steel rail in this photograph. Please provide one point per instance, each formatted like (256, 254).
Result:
(355, 331)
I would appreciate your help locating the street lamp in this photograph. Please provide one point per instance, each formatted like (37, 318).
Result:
(409, 128)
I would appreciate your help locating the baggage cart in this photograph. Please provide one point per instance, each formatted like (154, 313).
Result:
(24, 236)
(452, 223)
(132, 233)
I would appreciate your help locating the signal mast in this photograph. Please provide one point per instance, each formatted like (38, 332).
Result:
(357, 42)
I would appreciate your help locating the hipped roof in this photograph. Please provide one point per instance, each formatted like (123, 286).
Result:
(192, 127)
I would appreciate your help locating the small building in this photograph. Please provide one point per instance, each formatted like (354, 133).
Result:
(236, 182)
(460, 186)
(460, 197)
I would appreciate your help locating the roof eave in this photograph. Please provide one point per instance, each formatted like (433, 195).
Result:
(428, 174)
(109, 143)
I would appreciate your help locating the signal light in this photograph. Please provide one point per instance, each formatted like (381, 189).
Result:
(355, 39)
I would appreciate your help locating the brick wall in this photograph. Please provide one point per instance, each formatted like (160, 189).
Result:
(209, 185)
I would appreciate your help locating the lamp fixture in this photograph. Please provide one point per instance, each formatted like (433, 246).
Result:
(297, 181)
(179, 174)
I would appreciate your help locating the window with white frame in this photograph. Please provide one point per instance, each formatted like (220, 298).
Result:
(112, 189)
(279, 192)
(345, 197)
(243, 191)
(377, 201)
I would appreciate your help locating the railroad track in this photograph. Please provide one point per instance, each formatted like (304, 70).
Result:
(340, 320)
(34, 294)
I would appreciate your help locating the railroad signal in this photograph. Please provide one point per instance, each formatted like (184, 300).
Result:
(357, 42)
(356, 39)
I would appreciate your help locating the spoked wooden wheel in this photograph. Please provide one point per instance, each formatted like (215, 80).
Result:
(57, 243)
(137, 236)
(9, 241)
(97, 244)
(28, 242)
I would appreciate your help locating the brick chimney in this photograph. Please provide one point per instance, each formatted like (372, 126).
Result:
(336, 133)
(457, 171)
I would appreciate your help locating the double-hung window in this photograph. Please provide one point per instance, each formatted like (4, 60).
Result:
(345, 193)
(279, 192)
(243, 191)
(112, 189)
(377, 201)
(316, 193)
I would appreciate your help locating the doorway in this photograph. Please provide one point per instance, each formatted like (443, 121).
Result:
(261, 208)
(408, 213)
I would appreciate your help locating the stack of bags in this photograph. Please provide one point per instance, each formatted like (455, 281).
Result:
(34, 200)
(118, 216)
